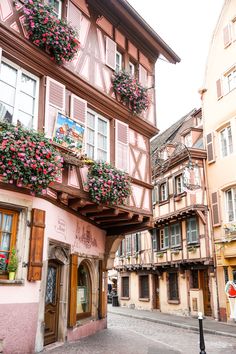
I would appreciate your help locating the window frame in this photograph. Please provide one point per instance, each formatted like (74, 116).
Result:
(227, 211)
(176, 184)
(164, 237)
(128, 245)
(21, 71)
(133, 69)
(175, 235)
(228, 145)
(143, 296)
(163, 197)
(171, 298)
(15, 220)
(59, 15)
(119, 62)
(97, 116)
(87, 314)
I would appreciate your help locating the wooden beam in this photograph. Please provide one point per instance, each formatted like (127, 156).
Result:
(77, 203)
(119, 222)
(63, 197)
(105, 213)
(90, 208)
(120, 217)
(130, 228)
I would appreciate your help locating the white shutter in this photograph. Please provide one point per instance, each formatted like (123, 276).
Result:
(142, 75)
(54, 102)
(78, 109)
(122, 146)
(110, 53)
(74, 17)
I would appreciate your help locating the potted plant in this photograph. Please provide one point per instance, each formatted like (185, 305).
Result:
(49, 33)
(12, 264)
(130, 92)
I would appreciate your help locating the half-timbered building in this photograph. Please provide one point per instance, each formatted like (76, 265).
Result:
(171, 267)
(65, 242)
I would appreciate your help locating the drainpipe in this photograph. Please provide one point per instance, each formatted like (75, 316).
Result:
(212, 237)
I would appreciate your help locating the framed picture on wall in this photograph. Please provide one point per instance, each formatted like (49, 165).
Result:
(69, 133)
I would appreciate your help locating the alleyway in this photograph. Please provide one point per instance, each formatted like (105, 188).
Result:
(126, 335)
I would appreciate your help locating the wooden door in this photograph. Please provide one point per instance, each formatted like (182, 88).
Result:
(52, 297)
(156, 290)
(204, 285)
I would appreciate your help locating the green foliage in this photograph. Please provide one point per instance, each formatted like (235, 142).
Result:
(13, 261)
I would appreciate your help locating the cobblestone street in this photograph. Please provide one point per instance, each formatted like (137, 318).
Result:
(133, 336)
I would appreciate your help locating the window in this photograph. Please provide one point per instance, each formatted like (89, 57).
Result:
(84, 292)
(154, 239)
(175, 235)
(164, 238)
(131, 69)
(121, 249)
(197, 176)
(194, 282)
(154, 195)
(179, 184)
(173, 286)
(188, 140)
(137, 242)
(8, 229)
(192, 230)
(143, 286)
(226, 275)
(230, 195)
(163, 192)
(226, 141)
(128, 244)
(97, 137)
(18, 95)
(234, 275)
(231, 80)
(118, 61)
(57, 7)
(124, 286)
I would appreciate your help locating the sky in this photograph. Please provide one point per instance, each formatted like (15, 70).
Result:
(187, 27)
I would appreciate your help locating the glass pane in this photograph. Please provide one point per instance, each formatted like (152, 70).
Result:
(3, 264)
(5, 244)
(90, 136)
(90, 151)
(6, 112)
(83, 290)
(102, 126)
(7, 223)
(26, 103)
(26, 119)
(51, 285)
(7, 94)
(101, 155)
(90, 120)
(102, 142)
(28, 85)
(8, 74)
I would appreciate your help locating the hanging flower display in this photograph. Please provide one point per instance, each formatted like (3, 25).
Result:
(131, 92)
(49, 33)
(27, 158)
(108, 185)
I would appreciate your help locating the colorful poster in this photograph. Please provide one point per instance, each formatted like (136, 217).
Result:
(69, 133)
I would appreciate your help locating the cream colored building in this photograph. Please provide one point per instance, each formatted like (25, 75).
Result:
(171, 268)
(219, 113)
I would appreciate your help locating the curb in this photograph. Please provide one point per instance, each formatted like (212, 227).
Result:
(175, 324)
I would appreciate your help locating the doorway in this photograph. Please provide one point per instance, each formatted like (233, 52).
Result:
(204, 285)
(156, 292)
(52, 298)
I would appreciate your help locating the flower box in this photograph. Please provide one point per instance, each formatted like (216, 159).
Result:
(54, 36)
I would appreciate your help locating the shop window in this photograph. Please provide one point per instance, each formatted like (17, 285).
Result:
(194, 279)
(8, 230)
(226, 141)
(230, 196)
(175, 235)
(124, 286)
(192, 230)
(173, 287)
(97, 137)
(18, 95)
(179, 184)
(143, 286)
(84, 292)
(164, 238)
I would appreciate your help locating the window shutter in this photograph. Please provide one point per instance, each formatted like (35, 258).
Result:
(219, 89)
(55, 101)
(78, 108)
(210, 148)
(122, 146)
(215, 209)
(73, 289)
(110, 53)
(142, 76)
(74, 17)
(36, 245)
(227, 35)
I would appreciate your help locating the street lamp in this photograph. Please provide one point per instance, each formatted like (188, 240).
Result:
(201, 336)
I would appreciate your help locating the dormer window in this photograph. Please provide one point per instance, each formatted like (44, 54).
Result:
(188, 140)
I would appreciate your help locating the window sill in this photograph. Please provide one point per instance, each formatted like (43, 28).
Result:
(163, 202)
(125, 298)
(12, 282)
(145, 299)
(174, 302)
